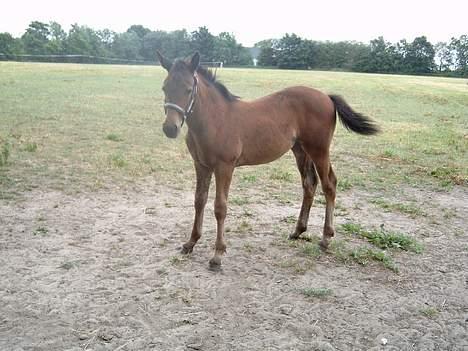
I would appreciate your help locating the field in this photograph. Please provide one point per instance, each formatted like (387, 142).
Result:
(95, 203)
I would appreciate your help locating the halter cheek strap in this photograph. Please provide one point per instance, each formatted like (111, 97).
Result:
(185, 113)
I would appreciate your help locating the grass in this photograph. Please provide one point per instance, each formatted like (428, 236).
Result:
(4, 153)
(114, 137)
(362, 255)
(384, 239)
(423, 118)
(316, 292)
(409, 209)
(429, 312)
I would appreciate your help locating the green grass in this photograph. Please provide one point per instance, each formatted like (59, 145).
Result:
(94, 125)
(384, 239)
(4, 153)
(409, 209)
(316, 292)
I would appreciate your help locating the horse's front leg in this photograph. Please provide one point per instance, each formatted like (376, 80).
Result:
(223, 175)
(201, 195)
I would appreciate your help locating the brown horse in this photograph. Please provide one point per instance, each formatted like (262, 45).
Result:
(225, 132)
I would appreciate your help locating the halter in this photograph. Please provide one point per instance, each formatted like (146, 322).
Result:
(185, 113)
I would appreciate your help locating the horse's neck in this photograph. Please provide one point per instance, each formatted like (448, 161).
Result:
(209, 111)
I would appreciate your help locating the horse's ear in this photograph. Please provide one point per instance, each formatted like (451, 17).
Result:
(164, 61)
(195, 61)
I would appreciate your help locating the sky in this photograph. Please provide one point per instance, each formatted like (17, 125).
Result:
(254, 20)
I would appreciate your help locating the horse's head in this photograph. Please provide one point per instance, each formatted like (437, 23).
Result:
(180, 91)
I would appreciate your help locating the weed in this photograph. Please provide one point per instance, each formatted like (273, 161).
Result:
(114, 137)
(238, 200)
(4, 153)
(177, 260)
(69, 265)
(429, 312)
(30, 147)
(281, 175)
(312, 250)
(316, 292)
(244, 227)
(411, 210)
(344, 184)
(289, 219)
(40, 231)
(363, 255)
(384, 239)
(249, 178)
(118, 160)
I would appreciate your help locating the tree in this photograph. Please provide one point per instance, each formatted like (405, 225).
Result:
(204, 42)
(444, 57)
(460, 47)
(419, 56)
(7, 44)
(292, 52)
(267, 56)
(36, 38)
(57, 39)
(127, 46)
(83, 40)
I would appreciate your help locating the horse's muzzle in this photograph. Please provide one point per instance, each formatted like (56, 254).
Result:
(171, 130)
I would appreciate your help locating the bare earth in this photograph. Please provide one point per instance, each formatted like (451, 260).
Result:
(101, 271)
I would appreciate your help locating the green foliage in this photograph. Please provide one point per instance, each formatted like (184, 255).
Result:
(384, 239)
(290, 51)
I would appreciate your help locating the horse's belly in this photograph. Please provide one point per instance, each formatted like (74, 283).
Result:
(260, 151)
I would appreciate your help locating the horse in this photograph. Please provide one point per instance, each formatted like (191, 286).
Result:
(225, 132)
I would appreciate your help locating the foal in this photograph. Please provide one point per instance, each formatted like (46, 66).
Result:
(225, 132)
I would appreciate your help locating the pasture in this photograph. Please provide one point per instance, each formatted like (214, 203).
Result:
(95, 202)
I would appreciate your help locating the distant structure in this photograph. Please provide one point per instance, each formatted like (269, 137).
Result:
(254, 53)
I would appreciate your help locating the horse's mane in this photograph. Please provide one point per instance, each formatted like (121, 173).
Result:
(210, 77)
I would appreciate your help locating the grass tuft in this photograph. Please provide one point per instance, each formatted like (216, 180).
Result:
(30, 147)
(316, 292)
(384, 239)
(114, 137)
(4, 153)
(408, 209)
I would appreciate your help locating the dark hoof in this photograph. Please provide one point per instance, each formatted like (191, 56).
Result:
(215, 263)
(186, 249)
(324, 245)
(294, 236)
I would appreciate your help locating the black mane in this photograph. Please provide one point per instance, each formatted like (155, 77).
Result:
(210, 77)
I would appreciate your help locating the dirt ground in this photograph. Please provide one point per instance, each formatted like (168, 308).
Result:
(101, 271)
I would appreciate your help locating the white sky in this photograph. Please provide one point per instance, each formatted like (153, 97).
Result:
(251, 21)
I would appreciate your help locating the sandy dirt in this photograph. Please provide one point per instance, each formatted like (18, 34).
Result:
(101, 271)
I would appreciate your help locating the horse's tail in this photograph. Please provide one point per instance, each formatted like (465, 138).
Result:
(353, 120)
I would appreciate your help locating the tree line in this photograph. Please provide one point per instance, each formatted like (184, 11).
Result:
(379, 56)
(138, 43)
(291, 51)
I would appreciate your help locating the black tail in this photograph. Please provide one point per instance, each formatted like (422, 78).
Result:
(353, 120)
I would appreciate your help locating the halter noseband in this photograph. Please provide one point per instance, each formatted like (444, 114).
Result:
(185, 113)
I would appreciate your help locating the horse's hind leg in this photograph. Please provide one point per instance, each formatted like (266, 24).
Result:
(328, 180)
(309, 185)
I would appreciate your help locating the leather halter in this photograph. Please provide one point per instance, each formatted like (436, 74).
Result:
(185, 113)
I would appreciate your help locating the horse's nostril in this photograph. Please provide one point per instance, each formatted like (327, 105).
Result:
(170, 130)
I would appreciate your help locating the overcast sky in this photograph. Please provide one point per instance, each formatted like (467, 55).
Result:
(251, 21)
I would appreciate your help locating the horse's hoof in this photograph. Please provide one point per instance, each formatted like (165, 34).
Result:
(324, 244)
(215, 263)
(186, 249)
(293, 236)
